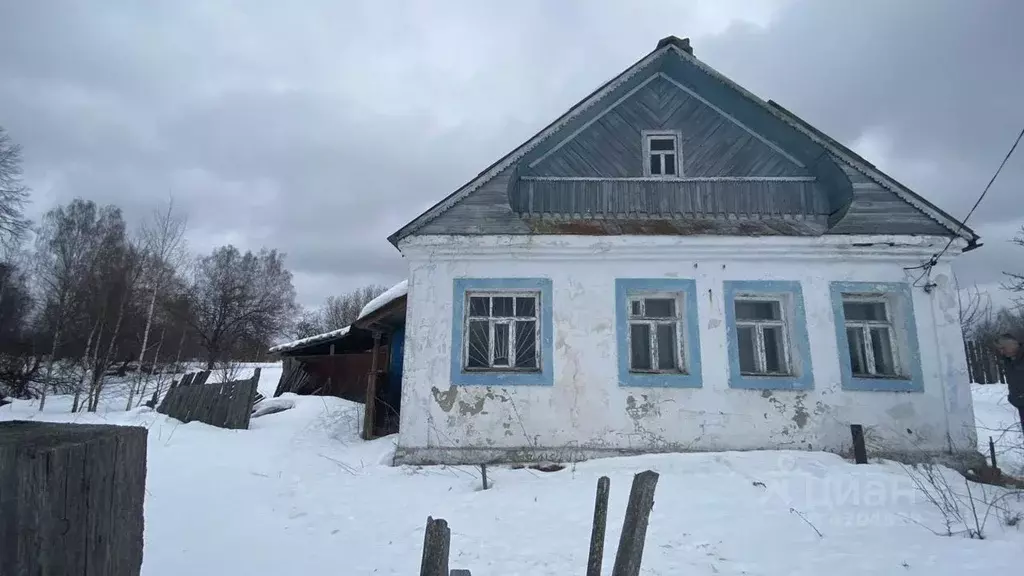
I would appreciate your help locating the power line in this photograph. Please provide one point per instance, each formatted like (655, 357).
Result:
(1006, 158)
(928, 265)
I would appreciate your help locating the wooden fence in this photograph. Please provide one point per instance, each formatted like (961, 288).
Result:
(71, 498)
(983, 365)
(226, 405)
(628, 556)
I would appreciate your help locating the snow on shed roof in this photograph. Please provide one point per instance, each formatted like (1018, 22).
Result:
(394, 293)
(310, 340)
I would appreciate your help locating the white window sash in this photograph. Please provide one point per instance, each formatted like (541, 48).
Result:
(494, 320)
(864, 327)
(675, 321)
(649, 135)
(760, 352)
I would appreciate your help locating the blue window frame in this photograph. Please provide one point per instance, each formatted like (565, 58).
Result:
(657, 332)
(876, 333)
(766, 330)
(502, 332)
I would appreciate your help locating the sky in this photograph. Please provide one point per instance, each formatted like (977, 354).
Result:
(320, 127)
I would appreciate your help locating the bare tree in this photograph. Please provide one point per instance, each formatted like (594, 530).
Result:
(973, 308)
(337, 311)
(65, 243)
(1014, 281)
(19, 363)
(13, 192)
(163, 241)
(237, 297)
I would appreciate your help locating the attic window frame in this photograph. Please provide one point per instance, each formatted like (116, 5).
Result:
(677, 139)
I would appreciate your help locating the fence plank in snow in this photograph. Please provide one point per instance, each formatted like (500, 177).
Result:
(71, 498)
(225, 405)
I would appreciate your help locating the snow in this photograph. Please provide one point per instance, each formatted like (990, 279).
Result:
(998, 420)
(394, 293)
(272, 406)
(300, 493)
(310, 340)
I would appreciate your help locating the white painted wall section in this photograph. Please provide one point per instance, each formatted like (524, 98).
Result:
(587, 413)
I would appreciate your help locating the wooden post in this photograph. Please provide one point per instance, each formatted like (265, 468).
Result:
(600, 522)
(371, 391)
(483, 474)
(72, 498)
(992, 452)
(860, 453)
(436, 541)
(634, 526)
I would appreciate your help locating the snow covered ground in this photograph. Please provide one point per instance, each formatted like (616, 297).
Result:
(996, 419)
(300, 493)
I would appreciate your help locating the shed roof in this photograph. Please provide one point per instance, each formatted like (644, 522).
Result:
(309, 340)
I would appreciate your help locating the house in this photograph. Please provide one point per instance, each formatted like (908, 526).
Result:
(675, 264)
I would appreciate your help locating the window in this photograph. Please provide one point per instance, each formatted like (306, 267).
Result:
(767, 335)
(661, 150)
(654, 334)
(876, 336)
(761, 337)
(501, 332)
(869, 334)
(656, 328)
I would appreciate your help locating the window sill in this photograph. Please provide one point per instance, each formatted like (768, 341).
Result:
(770, 382)
(881, 384)
(660, 372)
(501, 370)
(659, 380)
(880, 377)
(502, 378)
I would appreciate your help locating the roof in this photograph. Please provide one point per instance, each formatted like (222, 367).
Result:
(303, 342)
(681, 49)
(391, 294)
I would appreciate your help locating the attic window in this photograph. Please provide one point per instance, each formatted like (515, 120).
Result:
(661, 152)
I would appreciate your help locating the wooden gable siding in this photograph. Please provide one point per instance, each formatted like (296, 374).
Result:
(877, 210)
(711, 143)
(485, 211)
(669, 198)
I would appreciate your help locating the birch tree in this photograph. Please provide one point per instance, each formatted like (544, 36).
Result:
(65, 244)
(163, 240)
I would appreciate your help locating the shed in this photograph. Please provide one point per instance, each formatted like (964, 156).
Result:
(334, 363)
(384, 318)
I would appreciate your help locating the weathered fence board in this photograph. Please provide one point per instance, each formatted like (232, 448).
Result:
(634, 525)
(983, 364)
(598, 529)
(71, 499)
(226, 405)
(436, 542)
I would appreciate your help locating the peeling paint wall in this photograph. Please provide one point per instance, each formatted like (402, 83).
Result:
(586, 413)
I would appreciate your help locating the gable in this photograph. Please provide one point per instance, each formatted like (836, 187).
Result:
(742, 159)
(877, 210)
(610, 145)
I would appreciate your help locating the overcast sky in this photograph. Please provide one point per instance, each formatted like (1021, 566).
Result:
(320, 127)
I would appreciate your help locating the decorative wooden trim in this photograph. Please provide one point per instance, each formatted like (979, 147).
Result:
(591, 122)
(728, 117)
(663, 179)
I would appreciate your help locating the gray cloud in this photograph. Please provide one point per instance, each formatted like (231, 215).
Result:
(320, 128)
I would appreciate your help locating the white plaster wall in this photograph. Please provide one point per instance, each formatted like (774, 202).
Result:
(587, 413)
